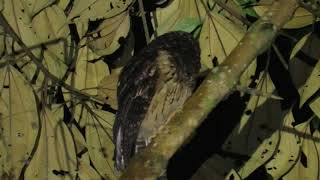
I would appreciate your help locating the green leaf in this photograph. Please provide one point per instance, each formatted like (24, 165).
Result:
(188, 24)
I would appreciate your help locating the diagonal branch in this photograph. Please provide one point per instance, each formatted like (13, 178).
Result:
(152, 161)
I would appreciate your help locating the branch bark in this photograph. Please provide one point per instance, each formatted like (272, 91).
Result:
(152, 161)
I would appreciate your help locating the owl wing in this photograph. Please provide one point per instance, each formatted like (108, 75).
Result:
(136, 88)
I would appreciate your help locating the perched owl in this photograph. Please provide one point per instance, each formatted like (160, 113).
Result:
(152, 87)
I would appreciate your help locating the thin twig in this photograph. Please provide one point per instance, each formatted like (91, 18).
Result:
(144, 21)
(281, 58)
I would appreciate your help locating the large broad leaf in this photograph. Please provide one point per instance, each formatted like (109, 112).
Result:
(55, 156)
(315, 106)
(308, 165)
(105, 40)
(177, 15)
(89, 71)
(301, 17)
(312, 85)
(257, 133)
(218, 38)
(85, 170)
(32, 7)
(97, 9)
(53, 32)
(20, 21)
(108, 89)
(216, 167)
(99, 141)
(19, 122)
(288, 151)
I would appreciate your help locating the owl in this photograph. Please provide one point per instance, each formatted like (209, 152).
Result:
(152, 86)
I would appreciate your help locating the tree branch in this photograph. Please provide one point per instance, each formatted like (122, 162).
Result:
(152, 161)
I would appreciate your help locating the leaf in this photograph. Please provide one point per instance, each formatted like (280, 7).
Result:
(32, 7)
(288, 150)
(233, 175)
(301, 17)
(309, 164)
(315, 106)
(299, 45)
(82, 27)
(108, 89)
(89, 70)
(79, 140)
(218, 37)
(31, 72)
(105, 40)
(216, 167)
(97, 9)
(86, 171)
(187, 24)
(312, 85)
(262, 154)
(55, 156)
(178, 12)
(19, 121)
(2, 40)
(53, 32)
(20, 22)
(246, 76)
(100, 144)
(248, 10)
(257, 134)
(63, 4)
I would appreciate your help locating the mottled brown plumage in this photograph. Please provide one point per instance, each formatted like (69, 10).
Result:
(152, 87)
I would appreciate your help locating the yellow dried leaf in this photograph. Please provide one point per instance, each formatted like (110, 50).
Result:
(55, 152)
(53, 32)
(86, 171)
(108, 89)
(301, 17)
(288, 149)
(233, 175)
(97, 9)
(100, 144)
(299, 45)
(245, 78)
(217, 38)
(307, 167)
(315, 106)
(32, 7)
(89, 71)
(20, 22)
(79, 141)
(110, 31)
(216, 167)
(19, 121)
(256, 135)
(311, 86)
